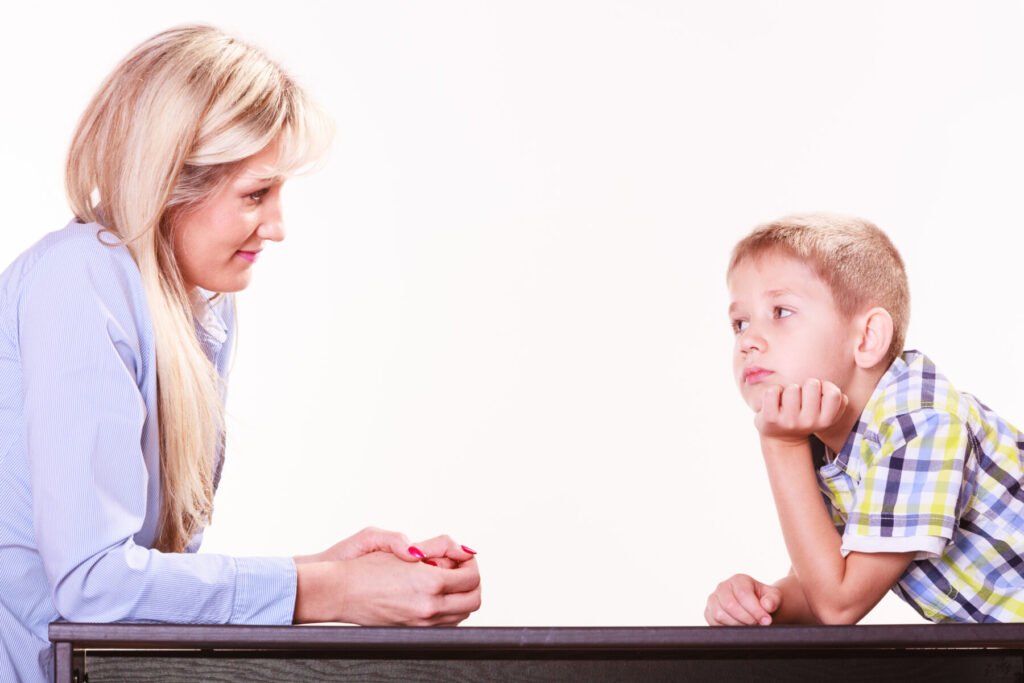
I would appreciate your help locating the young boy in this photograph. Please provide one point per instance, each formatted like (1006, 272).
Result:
(923, 486)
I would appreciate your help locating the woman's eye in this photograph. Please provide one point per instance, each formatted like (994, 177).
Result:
(739, 325)
(258, 195)
(781, 312)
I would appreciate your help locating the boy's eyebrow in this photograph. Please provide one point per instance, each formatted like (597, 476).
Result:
(769, 293)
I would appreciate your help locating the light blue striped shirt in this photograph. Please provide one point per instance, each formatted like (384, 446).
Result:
(79, 461)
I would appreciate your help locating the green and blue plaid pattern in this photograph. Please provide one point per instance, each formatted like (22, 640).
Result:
(933, 470)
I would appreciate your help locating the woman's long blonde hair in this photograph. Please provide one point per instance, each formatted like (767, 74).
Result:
(173, 123)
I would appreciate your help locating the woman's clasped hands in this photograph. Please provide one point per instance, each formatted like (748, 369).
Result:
(378, 578)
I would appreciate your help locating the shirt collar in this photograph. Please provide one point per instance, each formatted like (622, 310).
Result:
(208, 322)
(899, 367)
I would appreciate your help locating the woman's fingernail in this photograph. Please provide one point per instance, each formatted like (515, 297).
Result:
(469, 550)
(430, 562)
(416, 552)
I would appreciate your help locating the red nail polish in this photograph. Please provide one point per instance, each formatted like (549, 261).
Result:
(416, 552)
(469, 550)
(430, 562)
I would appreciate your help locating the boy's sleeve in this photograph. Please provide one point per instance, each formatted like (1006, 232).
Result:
(908, 496)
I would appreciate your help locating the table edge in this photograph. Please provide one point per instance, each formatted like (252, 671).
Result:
(526, 638)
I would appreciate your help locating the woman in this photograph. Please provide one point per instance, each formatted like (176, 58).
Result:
(116, 336)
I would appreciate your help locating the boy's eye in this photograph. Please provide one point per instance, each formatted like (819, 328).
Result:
(781, 312)
(739, 325)
(258, 195)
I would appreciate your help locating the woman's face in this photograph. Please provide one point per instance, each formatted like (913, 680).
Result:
(217, 245)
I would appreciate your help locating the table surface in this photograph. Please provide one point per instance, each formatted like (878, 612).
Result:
(523, 639)
(152, 653)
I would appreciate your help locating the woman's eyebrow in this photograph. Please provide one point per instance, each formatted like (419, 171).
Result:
(253, 178)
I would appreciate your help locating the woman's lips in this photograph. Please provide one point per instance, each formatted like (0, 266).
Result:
(753, 375)
(249, 256)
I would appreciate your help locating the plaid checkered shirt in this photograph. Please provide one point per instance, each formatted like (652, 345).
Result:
(933, 471)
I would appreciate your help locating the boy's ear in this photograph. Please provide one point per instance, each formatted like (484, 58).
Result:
(875, 335)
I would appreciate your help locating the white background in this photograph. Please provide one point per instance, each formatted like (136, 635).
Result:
(500, 311)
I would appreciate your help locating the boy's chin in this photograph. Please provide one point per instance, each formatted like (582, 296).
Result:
(752, 397)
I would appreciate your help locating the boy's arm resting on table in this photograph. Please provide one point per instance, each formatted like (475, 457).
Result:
(794, 608)
(835, 589)
(742, 600)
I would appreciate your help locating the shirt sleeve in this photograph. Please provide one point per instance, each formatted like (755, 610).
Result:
(908, 497)
(81, 317)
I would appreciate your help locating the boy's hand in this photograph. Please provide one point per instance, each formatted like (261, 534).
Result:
(742, 601)
(792, 413)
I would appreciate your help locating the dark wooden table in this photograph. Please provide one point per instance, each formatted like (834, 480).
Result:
(963, 653)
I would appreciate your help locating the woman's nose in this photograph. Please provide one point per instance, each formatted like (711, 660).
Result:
(272, 224)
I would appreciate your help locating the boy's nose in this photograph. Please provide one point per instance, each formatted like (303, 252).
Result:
(751, 340)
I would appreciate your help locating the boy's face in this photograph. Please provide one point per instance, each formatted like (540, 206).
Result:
(787, 327)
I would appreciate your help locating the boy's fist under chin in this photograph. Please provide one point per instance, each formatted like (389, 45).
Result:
(794, 412)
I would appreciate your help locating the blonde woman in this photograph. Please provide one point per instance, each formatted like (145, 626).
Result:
(116, 332)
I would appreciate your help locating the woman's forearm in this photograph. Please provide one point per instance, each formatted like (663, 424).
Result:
(314, 600)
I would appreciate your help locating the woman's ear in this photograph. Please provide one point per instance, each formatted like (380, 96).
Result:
(874, 331)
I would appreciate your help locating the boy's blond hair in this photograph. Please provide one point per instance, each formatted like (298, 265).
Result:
(852, 256)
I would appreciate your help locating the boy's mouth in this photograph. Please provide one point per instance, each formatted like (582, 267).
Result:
(755, 374)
